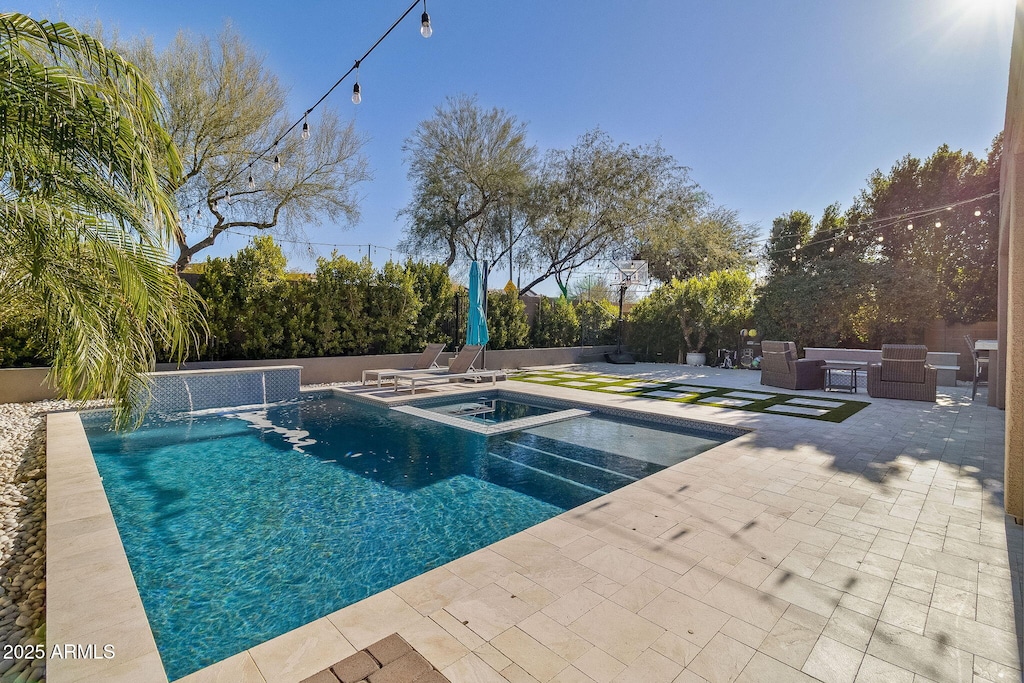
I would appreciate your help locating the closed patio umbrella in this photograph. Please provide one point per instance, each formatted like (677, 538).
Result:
(476, 327)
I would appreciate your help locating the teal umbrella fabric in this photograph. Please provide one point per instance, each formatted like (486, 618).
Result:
(476, 327)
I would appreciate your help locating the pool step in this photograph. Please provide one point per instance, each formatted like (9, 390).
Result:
(587, 475)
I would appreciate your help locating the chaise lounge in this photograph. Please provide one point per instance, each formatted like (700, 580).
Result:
(426, 362)
(780, 367)
(903, 373)
(461, 368)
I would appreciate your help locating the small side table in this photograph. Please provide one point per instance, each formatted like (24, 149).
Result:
(845, 380)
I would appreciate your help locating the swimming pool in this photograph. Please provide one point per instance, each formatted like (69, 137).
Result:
(242, 525)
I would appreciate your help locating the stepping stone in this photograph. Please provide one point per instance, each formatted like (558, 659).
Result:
(670, 394)
(646, 385)
(690, 389)
(541, 379)
(815, 403)
(569, 375)
(794, 410)
(616, 388)
(578, 384)
(727, 402)
(750, 394)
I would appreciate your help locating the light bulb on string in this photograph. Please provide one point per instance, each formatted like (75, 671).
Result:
(305, 128)
(425, 29)
(910, 226)
(977, 212)
(277, 162)
(227, 197)
(938, 224)
(252, 182)
(831, 249)
(794, 257)
(357, 95)
(881, 238)
(849, 238)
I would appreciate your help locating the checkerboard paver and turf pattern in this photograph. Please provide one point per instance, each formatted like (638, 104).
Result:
(794, 405)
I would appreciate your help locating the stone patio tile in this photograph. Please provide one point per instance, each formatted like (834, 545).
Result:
(602, 585)
(490, 611)
(492, 657)
(303, 652)
(920, 654)
(810, 595)
(482, 567)
(676, 648)
(536, 659)
(555, 637)
(369, 620)
(852, 581)
(789, 642)
(994, 671)
(685, 616)
(527, 590)
(746, 603)
(745, 632)
(904, 613)
(941, 561)
(997, 613)
(239, 668)
(874, 670)
(850, 628)
(650, 667)
(763, 669)
(809, 534)
(557, 532)
(581, 547)
(716, 545)
(638, 593)
(456, 628)
(571, 674)
(973, 636)
(433, 590)
(956, 601)
(833, 662)
(437, 646)
(879, 565)
(860, 605)
(472, 669)
(789, 409)
(617, 631)
(918, 596)
(599, 665)
(573, 605)
(722, 659)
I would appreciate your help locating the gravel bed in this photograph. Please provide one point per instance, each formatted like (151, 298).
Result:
(23, 531)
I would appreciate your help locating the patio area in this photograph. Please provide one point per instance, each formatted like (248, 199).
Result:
(872, 549)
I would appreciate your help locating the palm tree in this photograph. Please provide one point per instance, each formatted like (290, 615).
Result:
(86, 209)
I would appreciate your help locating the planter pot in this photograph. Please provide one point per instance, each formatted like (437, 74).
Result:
(696, 359)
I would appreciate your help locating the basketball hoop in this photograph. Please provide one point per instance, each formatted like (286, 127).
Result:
(630, 274)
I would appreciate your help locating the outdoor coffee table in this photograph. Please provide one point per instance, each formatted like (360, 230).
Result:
(846, 380)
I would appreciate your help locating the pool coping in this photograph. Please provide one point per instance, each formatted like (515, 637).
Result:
(93, 600)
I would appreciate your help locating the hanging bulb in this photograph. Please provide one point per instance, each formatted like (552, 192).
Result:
(910, 226)
(277, 162)
(938, 224)
(977, 212)
(425, 29)
(199, 214)
(831, 249)
(252, 182)
(881, 238)
(849, 238)
(798, 246)
(794, 257)
(305, 128)
(356, 96)
(227, 197)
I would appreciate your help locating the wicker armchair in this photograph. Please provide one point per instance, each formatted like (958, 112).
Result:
(780, 367)
(903, 374)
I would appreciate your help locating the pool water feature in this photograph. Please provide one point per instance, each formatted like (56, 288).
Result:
(243, 525)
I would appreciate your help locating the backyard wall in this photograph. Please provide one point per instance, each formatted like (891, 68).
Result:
(943, 336)
(28, 384)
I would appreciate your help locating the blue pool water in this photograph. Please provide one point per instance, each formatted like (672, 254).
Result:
(489, 409)
(242, 526)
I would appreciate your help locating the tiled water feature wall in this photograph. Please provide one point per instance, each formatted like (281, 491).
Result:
(188, 390)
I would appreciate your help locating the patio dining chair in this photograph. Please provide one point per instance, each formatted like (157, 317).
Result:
(980, 365)
(903, 373)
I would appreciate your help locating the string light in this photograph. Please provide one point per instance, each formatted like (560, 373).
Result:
(357, 96)
(881, 238)
(425, 29)
(910, 226)
(277, 162)
(938, 224)
(977, 212)
(305, 128)
(831, 249)
(849, 238)
(252, 182)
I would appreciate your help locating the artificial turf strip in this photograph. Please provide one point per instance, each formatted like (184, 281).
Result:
(843, 409)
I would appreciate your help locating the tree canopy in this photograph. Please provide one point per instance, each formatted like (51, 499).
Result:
(87, 172)
(224, 108)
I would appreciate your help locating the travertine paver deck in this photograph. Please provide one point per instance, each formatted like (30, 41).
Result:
(872, 549)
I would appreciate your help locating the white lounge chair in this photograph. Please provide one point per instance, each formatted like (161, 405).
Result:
(460, 368)
(427, 362)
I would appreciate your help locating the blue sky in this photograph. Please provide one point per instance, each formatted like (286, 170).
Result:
(774, 106)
